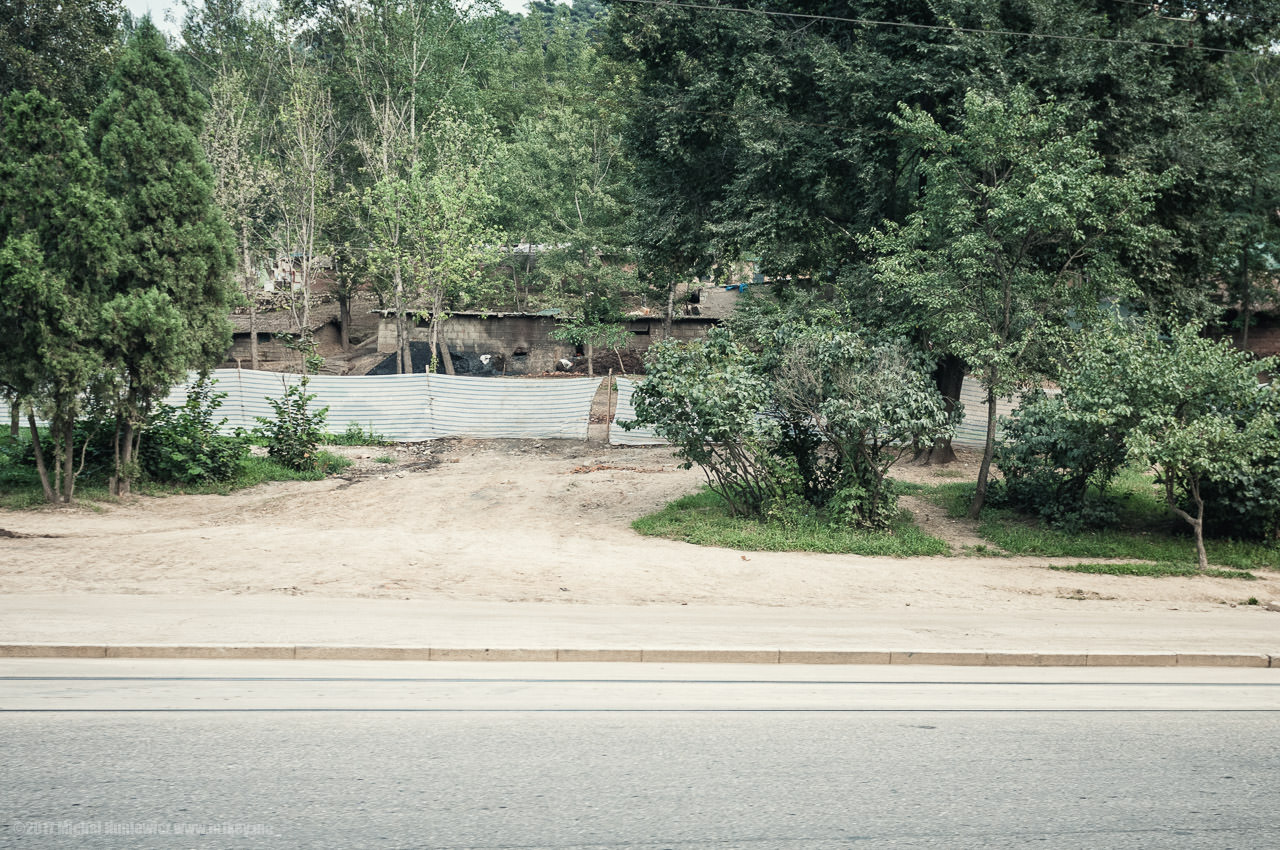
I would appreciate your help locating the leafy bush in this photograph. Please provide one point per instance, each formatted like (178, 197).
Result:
(182, 445)
(811, 423)
(1191, 408)
(293, 435)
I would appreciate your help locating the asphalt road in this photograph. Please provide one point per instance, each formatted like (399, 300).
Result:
(405, 755)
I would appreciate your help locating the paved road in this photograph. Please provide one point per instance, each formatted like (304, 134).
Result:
(435, 755)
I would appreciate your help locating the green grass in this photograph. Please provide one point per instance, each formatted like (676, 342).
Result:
(1153, 570)
(20, 485)
(704, 519)
(384, 459)
(356, 435)
(1146, 530)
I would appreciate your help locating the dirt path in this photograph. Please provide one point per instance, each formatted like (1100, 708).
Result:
(517, 521)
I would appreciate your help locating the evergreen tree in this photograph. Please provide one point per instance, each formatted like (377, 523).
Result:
(57, 255)
(167, 313)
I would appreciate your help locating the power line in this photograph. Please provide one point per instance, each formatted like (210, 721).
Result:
(870, 22)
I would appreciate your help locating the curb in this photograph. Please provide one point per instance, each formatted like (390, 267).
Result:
(961, 658)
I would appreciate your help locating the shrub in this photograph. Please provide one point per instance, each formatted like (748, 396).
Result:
(182, 445)
(293, 435)
(816, 420)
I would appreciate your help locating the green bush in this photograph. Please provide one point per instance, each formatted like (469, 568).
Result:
(802, 420)
(294, 433)
(1057, 464)
(182, 445)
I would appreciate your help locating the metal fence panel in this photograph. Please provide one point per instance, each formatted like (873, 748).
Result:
(418, 407)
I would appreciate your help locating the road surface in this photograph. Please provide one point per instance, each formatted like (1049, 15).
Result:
(435, 755)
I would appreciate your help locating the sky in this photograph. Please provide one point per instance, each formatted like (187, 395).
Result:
(158, 8)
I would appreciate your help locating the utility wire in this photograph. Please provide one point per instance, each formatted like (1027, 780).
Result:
(870, 22)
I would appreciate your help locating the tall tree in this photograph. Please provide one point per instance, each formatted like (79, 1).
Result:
(1017, 235)
(62, 49)
(167, 313)
(408, 66)
(58, 251)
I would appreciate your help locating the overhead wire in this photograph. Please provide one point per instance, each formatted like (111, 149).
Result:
(872, 22)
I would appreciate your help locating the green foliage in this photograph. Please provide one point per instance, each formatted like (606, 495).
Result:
(182, 445)
(1190, 407)
(295, 432)
(1016, 236)
(705, 519)
(812, 422)
(167, 310)
(356, 435)
(58, 253)
(62, 50)
(1152, 570)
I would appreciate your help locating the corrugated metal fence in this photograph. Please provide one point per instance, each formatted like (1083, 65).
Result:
(418, 407)
(426, 407)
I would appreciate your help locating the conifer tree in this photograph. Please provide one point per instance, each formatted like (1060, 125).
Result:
(168, 309)
(57, 255)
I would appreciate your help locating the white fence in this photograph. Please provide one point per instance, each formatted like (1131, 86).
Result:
(418, 407)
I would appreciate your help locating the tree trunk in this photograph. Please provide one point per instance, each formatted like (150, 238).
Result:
(948, 377)
(68, 460)
(344, 319)
(984, 471)
(15, 418)
(1246, 299)
(671, 307)
(250, 293)
(590, 360)
(404, 363)
(49, 495)
(124, 443)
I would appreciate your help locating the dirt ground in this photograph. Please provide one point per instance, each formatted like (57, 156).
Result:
(523, 521)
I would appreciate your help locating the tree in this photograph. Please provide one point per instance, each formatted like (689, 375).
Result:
(306, 144)
(64, 50)
(407, 66)
(1015, 237)
(167, 310)
(1204, 416)
(233, 140)
(58, 252)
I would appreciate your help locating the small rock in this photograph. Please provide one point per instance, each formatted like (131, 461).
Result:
(1272, 605)
(399, 475)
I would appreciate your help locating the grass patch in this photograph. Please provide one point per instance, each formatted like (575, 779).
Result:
(1154, 570)
(356, 435)
(1146, 531)
(704, 519)
(20, 485)
(384, 459)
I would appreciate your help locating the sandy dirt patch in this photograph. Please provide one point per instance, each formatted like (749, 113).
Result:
(541, 521)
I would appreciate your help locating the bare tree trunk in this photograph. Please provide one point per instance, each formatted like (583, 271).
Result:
(124, 448)
(671, 306)
(949, 379)
(68, 460)
(250, 293)
(39, 453)
(591, 356)
(403, 362)
(344, 319)
(984, 471)
(15, 418)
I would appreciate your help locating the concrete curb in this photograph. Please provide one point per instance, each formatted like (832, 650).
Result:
(962, 658)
